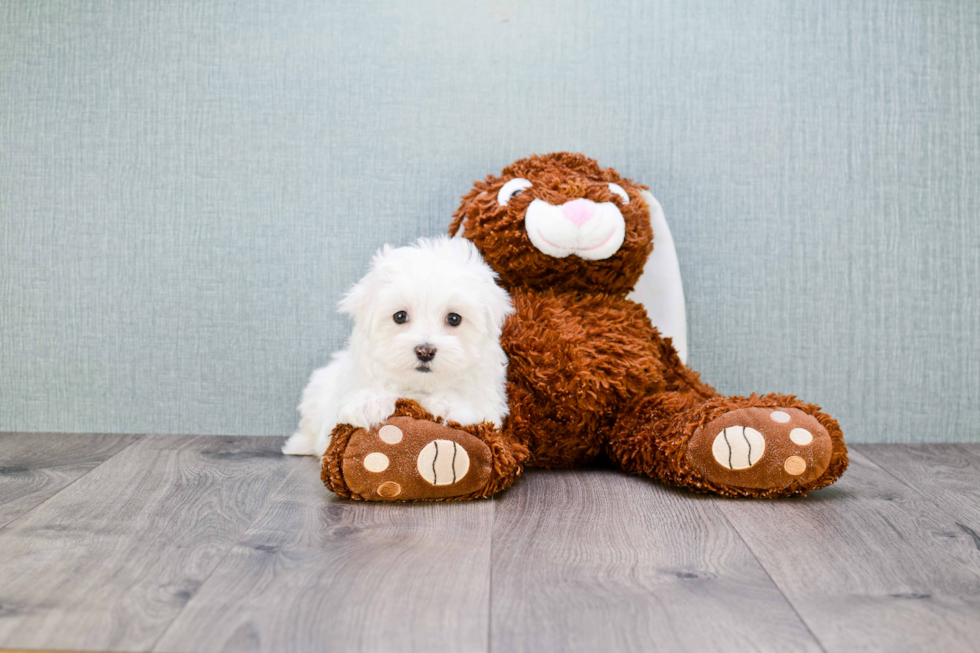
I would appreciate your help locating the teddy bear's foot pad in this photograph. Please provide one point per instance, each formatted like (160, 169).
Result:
(406, 459)
(761, 448)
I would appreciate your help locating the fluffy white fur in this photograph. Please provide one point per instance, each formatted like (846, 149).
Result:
(465, 381)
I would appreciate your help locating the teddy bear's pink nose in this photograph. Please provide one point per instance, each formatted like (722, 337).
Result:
(578, 211)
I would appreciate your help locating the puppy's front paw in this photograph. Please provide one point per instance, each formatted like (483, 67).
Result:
(458, 412)
(367, 408)
(438, 407)
(463, 414)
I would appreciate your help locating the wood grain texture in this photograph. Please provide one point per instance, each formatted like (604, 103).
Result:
(35, 466)
(596, 560)
(110, 561)
(948, 474)
(315, 571)
(183, 543)
(869, 564)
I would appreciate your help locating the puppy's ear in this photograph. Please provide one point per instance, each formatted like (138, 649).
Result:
(360, 299)
(356, 300)
(497, 306)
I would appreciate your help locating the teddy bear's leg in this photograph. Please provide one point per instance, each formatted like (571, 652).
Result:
(412, 457)
(758, 446)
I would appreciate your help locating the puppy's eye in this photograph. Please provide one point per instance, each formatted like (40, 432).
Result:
(454, 319)
(618, 190)
(512, 189)
(401, 317)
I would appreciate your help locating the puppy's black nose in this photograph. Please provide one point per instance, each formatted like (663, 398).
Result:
(425, 353)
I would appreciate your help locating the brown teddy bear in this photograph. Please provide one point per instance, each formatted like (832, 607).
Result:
(589, 375)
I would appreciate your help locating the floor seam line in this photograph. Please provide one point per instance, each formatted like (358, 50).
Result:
(3, 527)
(925, 497)
(493, 524)
(217, 566)
(772, 580)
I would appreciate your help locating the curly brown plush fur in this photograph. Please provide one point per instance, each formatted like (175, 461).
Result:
(636, 446)
(498, 231)
(590, 375)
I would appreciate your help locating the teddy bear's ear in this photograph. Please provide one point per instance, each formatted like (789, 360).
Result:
(660, 289)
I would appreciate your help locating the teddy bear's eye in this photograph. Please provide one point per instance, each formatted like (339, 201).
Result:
(511, 189)
(618, 190)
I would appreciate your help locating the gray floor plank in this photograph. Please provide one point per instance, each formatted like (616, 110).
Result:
(869, 564)
(111, 560)
(594, 560)
(204, 544)
(948, 474)
(35, 466)
(315, 573)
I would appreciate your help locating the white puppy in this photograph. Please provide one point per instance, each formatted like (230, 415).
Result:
(427, 321)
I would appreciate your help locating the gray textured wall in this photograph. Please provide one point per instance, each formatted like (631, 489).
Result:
(187, 187)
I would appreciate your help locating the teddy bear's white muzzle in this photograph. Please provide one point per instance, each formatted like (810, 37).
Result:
(589, 230)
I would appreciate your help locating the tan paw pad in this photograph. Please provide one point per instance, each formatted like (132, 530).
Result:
(376, 462)
(801, 437)
(389, 489)
(761, 448)
(794, 465)
(390, 434)
(406, 459)
(738, 447)
(442, 462)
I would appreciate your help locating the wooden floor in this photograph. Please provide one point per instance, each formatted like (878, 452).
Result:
(183, 543)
